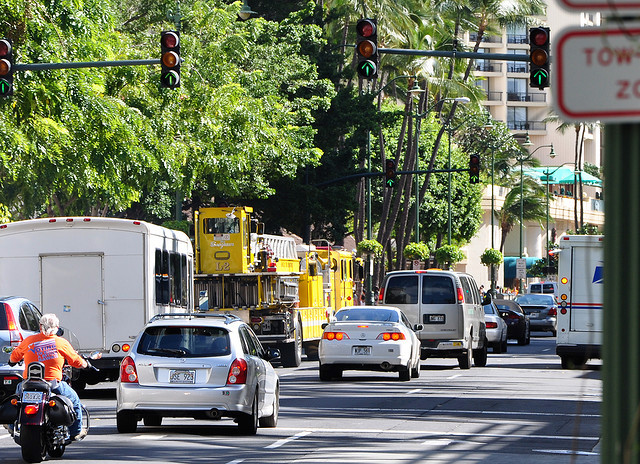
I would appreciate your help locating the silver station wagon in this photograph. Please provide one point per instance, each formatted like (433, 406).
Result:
(202, 366)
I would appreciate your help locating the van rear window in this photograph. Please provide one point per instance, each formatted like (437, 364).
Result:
(437, 290)
(547, 288)
(4, 323)
(402, 290)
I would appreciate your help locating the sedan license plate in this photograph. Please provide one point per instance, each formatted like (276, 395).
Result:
(362, 350)
(182, 376)
(534, 315)
(32, 397)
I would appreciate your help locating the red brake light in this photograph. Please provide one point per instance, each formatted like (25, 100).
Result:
(335, 336)
(381, 295)
(15, 337)
(391, 336)
(460, 295)
(492, 325)
(237, 372)
(553, 312)
(128, 373)
(31, 409)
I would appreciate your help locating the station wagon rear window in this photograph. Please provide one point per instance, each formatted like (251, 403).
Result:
(184, 342)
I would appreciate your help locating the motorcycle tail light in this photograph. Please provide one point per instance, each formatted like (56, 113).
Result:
(31, 409)
(52, 403)
(14, 401)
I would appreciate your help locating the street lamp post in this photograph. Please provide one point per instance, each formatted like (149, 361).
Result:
(489, 125)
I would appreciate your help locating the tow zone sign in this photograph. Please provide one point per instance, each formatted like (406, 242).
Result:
(596, 73)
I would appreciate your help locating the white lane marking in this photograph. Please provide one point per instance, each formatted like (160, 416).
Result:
(454, 376)
(571, 452)
(237, 461)
(460, 411)
(148, 437)
(441, 434)
(417, 390)
(284, 441)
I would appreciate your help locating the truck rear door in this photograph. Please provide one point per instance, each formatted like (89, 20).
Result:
(586, 289)
(72, 288)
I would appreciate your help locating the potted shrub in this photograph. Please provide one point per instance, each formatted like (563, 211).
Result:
(448, 255)
(369, 248)
(417, 251)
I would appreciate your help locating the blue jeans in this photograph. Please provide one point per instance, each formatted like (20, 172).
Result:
(64, 389)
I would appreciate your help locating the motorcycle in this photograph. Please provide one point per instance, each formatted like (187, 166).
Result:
(39, 419)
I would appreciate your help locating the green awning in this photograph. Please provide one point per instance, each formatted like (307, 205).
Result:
(561, 175)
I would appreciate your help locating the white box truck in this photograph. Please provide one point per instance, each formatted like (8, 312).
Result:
(580, 267)
(103, 277)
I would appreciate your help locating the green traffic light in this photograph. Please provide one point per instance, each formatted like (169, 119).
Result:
(367, 69)
(5, 88)
(540, 77)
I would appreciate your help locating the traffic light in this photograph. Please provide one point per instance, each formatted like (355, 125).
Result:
(390, 173)
(474, 169)
(539, 57)
(170, 58)
(6, 68)
(367, 48)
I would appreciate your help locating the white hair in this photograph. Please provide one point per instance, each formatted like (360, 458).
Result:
(49, 324)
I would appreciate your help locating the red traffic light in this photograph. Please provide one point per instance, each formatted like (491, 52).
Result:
(6, 68)
(538, 36)
(474, 169)
(367, 48)
(366, 28)
(170, 59)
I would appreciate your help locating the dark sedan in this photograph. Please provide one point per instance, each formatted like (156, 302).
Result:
(542, 310)
(518, 325)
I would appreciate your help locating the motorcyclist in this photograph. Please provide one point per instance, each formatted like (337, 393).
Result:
(52, 351)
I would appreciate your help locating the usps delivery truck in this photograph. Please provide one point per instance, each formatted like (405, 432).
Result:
(103, 277)
(580, 267)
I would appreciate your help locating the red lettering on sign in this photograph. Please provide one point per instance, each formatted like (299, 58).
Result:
(622, 90)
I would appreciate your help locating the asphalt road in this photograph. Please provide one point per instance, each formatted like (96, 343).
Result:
(522, 408)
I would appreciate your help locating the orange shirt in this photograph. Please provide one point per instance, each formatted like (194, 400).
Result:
(50, 351)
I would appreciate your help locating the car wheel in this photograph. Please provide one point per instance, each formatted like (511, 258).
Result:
(554, 332)
(573, 362)
(291, 353)
(497, 347)
(522, 339)
(505, 346)
(464, 360)
(480, 355)
(248, 423)
(152, 421)
(272, 420)
(126, 421)
(415, 372)
(528, 335)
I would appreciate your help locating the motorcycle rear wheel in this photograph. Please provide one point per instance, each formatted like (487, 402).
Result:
(33, 443)
(57, 451)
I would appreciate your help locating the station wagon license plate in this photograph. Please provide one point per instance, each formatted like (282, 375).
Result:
(182, 376)
(361, 350)
(32, 397)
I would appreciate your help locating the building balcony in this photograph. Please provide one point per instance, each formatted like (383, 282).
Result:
(517, 67)
(527, 125)
(487, 66)
(517, 39)
(526, 97)
(486, 39)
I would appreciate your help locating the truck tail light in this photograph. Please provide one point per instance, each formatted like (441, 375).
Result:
(128, 373)
(237, 372)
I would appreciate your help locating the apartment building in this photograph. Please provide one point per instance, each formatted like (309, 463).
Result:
(529, 115)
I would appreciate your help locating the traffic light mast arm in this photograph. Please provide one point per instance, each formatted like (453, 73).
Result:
(86, 64)
(451, 54)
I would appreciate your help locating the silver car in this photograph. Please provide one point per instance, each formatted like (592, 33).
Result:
(204, 366)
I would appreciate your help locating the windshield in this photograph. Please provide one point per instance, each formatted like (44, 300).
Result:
(488, 309)
(186, 342)
(539, 299)
(378, 315)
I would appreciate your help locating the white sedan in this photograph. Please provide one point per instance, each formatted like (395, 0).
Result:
(370, 338)
(496, 328)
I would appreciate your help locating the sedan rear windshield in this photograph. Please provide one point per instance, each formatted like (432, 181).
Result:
(535, 299)
(381, 315)
(188, 342)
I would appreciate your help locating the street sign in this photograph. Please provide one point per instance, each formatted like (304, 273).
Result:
(597, 74)
(521, 268)
(620, 6)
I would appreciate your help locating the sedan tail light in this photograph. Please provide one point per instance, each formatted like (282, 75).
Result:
(492, 325)
(15, 337)
(128, 373)
(391, 336)
(552, 312)
(335, 336)
(237, 372)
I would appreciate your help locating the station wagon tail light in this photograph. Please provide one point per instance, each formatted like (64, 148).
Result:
(237, 372)
(460, 295)
(391, 336)
(128, 373)
(492, 325)
(335, 336)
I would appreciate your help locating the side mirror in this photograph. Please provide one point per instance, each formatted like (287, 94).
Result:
(324, 325)
(418, 327)
(272, 354)
(487, 299)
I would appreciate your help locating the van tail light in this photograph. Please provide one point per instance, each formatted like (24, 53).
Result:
(391, 336)
(335, 336)
(553, 312)
(15, 337)
(128, 373)
(381, 295)
(492, 325)
(237, 372)
(460, 295)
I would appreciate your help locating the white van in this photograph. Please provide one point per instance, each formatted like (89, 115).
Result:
(448, 305)
(544, 287)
